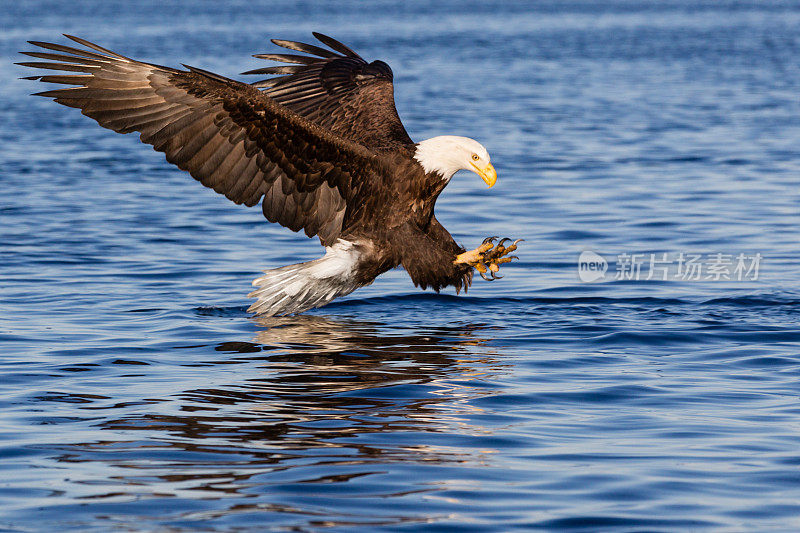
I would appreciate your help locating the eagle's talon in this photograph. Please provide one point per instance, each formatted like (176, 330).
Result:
(488, 257)
(494, 268)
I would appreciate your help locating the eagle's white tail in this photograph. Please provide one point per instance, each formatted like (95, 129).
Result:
(303, 286)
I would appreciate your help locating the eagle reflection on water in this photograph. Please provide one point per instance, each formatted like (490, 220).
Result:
(330, 393)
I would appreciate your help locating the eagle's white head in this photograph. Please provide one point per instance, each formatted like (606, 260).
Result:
(447, 154)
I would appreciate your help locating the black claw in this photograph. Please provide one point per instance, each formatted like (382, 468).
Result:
(502, 241)
(496, 276)
(512, 257)
(489, 239)
(485, 270)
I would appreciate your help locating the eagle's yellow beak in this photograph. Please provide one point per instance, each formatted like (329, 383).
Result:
(487, 173)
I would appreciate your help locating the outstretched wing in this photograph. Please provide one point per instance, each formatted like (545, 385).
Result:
(226, 134)
(338, 90)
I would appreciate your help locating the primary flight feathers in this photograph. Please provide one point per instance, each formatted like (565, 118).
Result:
(340, 92)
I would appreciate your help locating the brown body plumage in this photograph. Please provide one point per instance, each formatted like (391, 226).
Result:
(322, 147)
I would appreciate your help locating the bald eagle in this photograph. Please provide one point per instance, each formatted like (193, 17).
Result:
(321, 146)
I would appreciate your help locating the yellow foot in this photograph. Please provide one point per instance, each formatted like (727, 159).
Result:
(487, 258)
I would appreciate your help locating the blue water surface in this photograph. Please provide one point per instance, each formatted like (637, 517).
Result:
(136, 393)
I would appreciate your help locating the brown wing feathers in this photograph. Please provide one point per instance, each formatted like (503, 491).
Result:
(225, 133)
(339, 91)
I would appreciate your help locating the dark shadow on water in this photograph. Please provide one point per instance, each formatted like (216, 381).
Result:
(322, 402)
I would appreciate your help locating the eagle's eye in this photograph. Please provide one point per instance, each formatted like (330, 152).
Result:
(475, 157)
